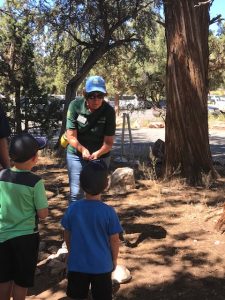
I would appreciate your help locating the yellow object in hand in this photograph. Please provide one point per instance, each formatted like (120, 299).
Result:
(63, 141)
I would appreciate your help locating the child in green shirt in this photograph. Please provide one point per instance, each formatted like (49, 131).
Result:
(22, 201)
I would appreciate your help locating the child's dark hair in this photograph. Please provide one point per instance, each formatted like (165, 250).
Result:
(93, 177)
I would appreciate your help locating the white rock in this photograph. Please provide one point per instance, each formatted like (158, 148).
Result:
(122, 180)
(121, 274)
(62, 251)
(52, 256)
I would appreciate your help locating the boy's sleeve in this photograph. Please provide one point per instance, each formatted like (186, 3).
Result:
(65, 220)
(40, 198)
(114, 224)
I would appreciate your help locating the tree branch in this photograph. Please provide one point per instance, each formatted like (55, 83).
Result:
(203, 3)
(122, 42)
(161, 23)
(216, 19)
(4, 12)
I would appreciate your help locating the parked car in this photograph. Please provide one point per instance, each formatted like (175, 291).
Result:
(213, 98)
(159, 108)
(111, 101)
(130, 102)
(213, 110)
(162, 103)
(219, 102)
(145, 103)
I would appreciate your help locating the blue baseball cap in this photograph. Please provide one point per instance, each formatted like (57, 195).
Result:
(95, 84)
(24, 146)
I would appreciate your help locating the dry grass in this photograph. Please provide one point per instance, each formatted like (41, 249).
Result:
(169, 242)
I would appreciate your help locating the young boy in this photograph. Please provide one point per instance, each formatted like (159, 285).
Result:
(22, 201)
(92, 237)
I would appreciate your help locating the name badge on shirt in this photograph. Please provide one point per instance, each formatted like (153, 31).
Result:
(81, 119)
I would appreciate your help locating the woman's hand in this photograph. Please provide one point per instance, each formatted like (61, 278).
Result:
(72, 139)
(94, 155)
(106, 147)
(86, 154)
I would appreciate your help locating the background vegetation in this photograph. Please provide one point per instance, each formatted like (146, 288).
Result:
(40, 52)
(49, 48)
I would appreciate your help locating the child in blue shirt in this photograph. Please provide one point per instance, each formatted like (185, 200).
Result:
(92, 237)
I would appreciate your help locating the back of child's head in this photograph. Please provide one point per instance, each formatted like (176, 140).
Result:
(24, 146)
(94, 177)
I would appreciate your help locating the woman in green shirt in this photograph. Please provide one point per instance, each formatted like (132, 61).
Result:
(90, 131)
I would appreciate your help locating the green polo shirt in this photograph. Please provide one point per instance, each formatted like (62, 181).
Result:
(91, 127)
(22, 193)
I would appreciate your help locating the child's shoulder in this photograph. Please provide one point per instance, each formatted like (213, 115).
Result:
(21, 177)
(4, 172)
(106, 206)
(30, 178)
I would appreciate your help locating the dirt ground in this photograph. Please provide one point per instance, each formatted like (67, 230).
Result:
(170, 245)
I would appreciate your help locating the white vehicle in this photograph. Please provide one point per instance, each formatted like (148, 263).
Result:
(213, 110)
(213, 98)
(129, 102)
(220, 104)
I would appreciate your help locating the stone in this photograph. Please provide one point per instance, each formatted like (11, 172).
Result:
(53, 249)
(57, 267)
(42, 255)
(42, 246)
(158, 149)
(121, 274)
(122, 180)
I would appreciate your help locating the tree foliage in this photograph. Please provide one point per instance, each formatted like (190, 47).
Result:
(217, 59)
(17, 72)
(93, 28)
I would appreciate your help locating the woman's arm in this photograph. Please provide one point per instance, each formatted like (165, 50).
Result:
(106, 147)
(4, 153)
(114, 243)
(71, 135)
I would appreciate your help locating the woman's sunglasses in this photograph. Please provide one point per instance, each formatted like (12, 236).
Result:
(93, 96)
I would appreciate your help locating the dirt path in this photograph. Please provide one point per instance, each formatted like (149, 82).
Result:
(170, 244)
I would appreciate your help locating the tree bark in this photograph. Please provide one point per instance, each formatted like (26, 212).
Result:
(17, 108)
(187, 150)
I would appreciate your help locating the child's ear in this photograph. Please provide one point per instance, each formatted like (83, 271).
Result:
(35, 157)
(107, 184)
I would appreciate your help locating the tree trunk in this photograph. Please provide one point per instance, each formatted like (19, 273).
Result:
(187, 150)
(17, 112)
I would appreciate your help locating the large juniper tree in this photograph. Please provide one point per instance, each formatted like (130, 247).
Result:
(187, 141)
